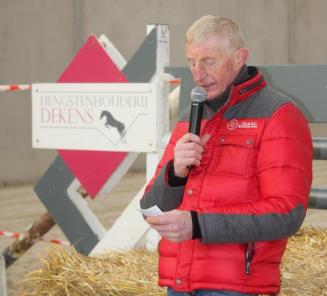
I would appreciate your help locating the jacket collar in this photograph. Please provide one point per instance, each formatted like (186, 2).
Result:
(248, 81)
(242, 90)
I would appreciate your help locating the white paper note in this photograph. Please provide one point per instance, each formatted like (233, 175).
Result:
(152, 211)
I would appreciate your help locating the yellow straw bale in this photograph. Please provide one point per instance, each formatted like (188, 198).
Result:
(65, 272)
(304, 265)
(134, 273)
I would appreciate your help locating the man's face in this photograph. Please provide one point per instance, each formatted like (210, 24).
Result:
(213, 66)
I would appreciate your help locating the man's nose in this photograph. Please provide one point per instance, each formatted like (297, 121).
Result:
(199, 73)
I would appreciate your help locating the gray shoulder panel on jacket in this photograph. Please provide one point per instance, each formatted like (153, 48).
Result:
(261, 104)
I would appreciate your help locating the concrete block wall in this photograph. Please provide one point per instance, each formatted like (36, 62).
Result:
(38, 38)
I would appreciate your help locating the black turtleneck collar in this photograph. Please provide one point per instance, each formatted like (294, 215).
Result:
(216, 103)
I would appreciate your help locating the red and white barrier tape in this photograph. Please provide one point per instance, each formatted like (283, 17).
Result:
(15, 87)
(9, 234)
(17, 235)
(19, 87)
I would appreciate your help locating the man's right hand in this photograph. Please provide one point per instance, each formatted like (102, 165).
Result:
(187, 153)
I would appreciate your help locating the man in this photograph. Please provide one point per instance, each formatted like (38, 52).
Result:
(232, 195)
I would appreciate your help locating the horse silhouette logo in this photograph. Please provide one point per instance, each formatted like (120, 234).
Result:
(112, 122)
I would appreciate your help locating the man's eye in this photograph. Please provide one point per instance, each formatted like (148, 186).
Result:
(209, 62)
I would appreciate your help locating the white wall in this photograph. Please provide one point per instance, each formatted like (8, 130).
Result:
(38, 38)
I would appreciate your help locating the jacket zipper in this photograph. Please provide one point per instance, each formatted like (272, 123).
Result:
(245, 89)
(249, 253)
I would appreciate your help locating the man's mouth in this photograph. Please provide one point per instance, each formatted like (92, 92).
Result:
(207, 86)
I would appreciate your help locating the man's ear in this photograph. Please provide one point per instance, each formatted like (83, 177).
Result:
(241, 56)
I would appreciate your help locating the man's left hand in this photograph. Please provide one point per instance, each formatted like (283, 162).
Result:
(175, 225)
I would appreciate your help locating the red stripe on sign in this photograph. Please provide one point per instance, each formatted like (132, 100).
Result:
(92, 168)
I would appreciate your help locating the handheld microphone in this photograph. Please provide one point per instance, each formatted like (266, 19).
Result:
(198, 96)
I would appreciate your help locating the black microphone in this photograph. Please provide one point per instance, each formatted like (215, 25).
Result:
(198, 96)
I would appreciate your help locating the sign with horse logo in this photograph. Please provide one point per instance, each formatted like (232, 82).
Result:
(94, 116)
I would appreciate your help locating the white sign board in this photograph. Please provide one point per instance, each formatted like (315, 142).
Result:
(94, 116)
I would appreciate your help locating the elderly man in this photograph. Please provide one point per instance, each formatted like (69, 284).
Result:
(232, 195)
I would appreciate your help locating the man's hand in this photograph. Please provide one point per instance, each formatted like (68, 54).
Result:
(175, 225)
(187, 153)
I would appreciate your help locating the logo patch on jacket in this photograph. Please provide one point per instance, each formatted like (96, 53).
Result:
(234, 124)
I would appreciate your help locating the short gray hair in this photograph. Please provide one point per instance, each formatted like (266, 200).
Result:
(210, 25)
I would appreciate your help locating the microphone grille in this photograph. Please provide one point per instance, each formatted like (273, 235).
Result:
(198, 94)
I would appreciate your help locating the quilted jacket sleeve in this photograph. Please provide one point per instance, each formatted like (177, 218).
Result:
(284, 172)
(158, 191)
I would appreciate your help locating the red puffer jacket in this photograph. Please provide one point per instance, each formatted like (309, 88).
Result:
(250, 192)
